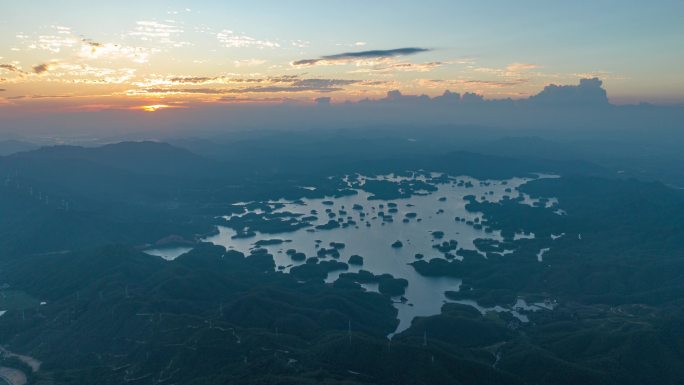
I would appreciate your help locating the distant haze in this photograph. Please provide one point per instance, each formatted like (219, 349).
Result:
(581, 107)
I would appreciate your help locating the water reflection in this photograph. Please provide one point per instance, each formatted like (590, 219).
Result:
(413, 222)
(169, 253)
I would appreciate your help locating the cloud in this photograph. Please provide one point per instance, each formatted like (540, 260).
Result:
(301, 85)
(518, 67)
(374, 82)
(202, 80)
(85, 48)
(63, 38)
(87, 74)
(75, 73)
(41, 68)
(346, 57)
(11, 68)
(280, 84)
(283, 78)
(589, 92)
(207, 91)
(261, 100)
(150, 30)
(322, 83)
(50, 96)
(230, 39)
(418, 67)
(248, 62)
(511, 70)
(496, 83)
(471, 84)
(92, 43)
(300, 43)
(404, 67)
(94, 50)
(54, 43)
(376, 53)
(62, 29)
(38, 96)
(193, 79)
(243, 90)
(276, 89)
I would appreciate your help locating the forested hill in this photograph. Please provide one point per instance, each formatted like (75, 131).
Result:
(63, 197)
(74, 220)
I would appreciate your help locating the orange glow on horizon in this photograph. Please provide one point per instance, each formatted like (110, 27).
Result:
(154, 107)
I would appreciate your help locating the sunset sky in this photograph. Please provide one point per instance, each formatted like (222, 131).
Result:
(149, 55)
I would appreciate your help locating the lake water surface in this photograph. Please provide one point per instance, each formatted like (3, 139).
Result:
(435, 211)
(414, 219)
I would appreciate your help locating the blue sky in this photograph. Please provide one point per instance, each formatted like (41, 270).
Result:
(128, 53)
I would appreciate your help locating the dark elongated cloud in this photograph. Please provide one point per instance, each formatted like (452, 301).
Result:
(284, 89)
(226, 79)
(193, 79)
(19, 97)
(245, 90)
(322, 83)
(278, 84)
(208, 91)
(92, 43)
(11, 68)
(40, 68)
(303, 85)
(376, 53)
(51, 96)
(373, 54)
(497, 83)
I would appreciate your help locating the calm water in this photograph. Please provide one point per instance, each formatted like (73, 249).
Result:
(169, 253)
(425, 295)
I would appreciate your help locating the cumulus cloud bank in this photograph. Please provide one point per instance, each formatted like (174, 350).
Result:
(583, 106)
(589, 92)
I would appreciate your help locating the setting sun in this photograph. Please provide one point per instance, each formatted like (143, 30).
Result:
(154, 107)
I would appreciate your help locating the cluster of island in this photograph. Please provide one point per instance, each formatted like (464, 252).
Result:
(411, 236)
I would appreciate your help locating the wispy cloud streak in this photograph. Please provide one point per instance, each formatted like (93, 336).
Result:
(360, 55)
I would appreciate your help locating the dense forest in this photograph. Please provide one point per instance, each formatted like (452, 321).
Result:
(82, 298)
